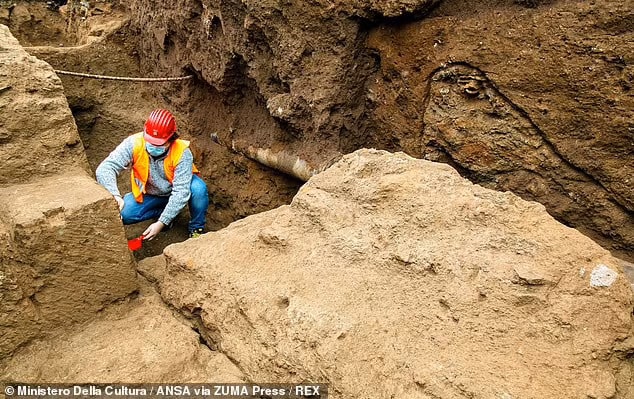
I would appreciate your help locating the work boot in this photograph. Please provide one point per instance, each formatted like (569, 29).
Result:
(195, 233)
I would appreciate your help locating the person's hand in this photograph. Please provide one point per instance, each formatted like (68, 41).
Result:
(120, 202)
(153, 230)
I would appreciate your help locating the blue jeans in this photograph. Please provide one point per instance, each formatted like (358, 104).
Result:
(152, 206)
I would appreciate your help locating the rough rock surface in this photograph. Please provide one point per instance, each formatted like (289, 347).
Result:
(394, 277)
(63, 254)
(62, 257)
(38, 136)
(539, 98)
(138, 341)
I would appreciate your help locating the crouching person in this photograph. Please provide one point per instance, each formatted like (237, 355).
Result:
(163, 177)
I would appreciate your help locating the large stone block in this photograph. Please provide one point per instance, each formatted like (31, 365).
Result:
(63, 256)
(394, 277)
(38, 135)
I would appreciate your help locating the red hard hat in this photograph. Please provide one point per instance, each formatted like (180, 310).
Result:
(159, 127)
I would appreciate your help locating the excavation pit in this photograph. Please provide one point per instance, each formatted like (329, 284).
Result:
(384, 275)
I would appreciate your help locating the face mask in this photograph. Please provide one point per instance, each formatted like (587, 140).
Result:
(155, 151)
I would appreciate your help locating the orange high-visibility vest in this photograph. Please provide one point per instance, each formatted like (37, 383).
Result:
(141, 164)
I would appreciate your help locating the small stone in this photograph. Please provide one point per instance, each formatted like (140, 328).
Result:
(529, 276)
(20, 14)
(602, 276)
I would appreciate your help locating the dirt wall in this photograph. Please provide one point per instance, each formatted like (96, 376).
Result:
(539, 96)
(532, 100)
(63, 257)
(290, 75)
(32, 146)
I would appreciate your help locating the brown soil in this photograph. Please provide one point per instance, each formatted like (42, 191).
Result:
(534, 100)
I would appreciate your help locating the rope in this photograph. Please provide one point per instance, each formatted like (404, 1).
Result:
(129, 79)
